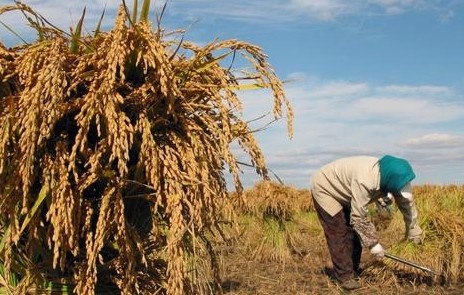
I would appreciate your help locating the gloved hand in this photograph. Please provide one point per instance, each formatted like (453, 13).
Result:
(378, 251)
(415, 234)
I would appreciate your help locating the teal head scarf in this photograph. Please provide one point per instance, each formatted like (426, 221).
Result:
(395, 173)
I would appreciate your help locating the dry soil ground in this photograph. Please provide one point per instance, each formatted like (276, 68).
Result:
(306, 274)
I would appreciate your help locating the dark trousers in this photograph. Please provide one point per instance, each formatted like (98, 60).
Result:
(344, 245)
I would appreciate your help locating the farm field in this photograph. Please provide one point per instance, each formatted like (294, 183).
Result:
(112, 152)
(305, 275)
(304, 269)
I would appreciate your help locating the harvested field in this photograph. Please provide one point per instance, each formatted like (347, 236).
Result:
(307, 269)
(306, 275)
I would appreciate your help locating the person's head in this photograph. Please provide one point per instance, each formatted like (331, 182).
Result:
(395, 174)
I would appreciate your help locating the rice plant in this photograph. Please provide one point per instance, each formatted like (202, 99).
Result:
(271, 217)
(441, 217)
(271, 199)
(114, 149)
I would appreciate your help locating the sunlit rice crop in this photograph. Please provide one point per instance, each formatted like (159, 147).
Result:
(113, 150)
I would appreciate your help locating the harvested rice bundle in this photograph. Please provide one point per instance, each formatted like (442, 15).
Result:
(271, 199)
(113, 151)
(271, 217)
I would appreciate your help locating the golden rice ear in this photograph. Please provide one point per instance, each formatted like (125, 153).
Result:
(131, 116)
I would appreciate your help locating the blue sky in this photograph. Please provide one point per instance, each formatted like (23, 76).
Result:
(369, 77)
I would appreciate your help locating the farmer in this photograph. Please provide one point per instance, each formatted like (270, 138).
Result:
(342, 191)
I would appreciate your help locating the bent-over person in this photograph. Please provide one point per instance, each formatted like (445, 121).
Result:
(342, 191)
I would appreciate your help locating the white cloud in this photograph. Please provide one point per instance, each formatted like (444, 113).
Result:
(407, 110)
(322, 9)
(435, 141)
(328, 10)
(338, 89)
(416, 90)
(66, 13)
(393, 7)
(360, 102)
(334, 119)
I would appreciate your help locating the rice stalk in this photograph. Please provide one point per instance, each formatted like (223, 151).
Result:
(268, 220)
(93, 126)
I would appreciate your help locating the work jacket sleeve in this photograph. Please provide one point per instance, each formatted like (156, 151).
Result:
(360, 217)
(407, 206)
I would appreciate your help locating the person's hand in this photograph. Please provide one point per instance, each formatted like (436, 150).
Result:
(378, 251)
(415, 234)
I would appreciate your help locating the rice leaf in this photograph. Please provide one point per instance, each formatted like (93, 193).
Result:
(97, 29)
(145, 10)
(41, 197)
(134, 11)
(13, 32)
(76, 36)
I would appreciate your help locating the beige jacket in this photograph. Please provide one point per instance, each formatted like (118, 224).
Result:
(355, 182)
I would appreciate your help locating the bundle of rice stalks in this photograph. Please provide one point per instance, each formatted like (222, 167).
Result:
(441, 217)
(270, 219)
(113, 150)
(271, 199)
